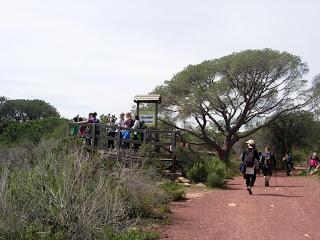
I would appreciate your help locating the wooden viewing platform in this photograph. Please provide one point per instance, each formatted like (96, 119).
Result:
(105, 137)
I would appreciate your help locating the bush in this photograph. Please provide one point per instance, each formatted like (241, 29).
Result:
(57, 190)
(33, 131)
(175, 191)
(186, 158)
(199, 172)
(212, 171)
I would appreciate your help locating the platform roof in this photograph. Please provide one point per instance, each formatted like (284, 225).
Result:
(151, 98)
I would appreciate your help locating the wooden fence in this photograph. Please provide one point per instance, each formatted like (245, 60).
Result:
(105, 137)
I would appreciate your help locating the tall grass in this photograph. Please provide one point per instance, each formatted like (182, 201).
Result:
(57, 190)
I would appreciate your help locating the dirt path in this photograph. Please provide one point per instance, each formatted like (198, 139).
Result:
(289, 211)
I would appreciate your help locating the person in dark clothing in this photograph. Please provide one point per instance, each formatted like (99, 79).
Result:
(288, 162)
(250, 160)
(268, 164)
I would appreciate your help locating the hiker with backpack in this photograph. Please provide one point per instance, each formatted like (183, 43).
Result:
(250, 165)
(268, 164)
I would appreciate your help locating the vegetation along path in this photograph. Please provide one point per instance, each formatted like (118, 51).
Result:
(289, 211)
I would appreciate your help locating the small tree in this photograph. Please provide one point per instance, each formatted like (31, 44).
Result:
(242, 91)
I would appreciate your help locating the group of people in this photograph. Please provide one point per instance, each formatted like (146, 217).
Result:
(253, 161)
(125, 122)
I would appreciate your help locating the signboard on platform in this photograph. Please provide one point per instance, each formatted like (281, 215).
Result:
(148, 117)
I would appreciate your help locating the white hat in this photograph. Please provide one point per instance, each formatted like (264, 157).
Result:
(250, 143)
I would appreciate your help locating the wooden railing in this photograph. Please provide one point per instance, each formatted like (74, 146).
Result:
(104, 137)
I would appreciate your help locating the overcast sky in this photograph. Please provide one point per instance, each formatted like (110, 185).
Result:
(84, 56)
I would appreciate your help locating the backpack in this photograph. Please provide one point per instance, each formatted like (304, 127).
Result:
(242, 167)
(249, 159)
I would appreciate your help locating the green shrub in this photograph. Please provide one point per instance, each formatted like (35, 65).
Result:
(186, 158)
(175, 191)
(217, 173)
(34, 131)
(212, 171)
(199, 172)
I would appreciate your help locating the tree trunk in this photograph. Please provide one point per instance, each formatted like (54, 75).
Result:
(224, 156)
(224, 152)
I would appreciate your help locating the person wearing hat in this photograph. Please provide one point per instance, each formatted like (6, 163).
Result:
(268, 164)
(250, 161)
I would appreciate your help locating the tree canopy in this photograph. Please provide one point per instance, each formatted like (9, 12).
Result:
(22, 110)
(291, 130)
(234, 96)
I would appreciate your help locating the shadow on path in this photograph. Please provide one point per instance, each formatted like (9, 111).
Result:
(278, 195)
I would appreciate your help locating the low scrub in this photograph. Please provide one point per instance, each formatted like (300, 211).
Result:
(57, 190)
(175, 191)
(211, 171)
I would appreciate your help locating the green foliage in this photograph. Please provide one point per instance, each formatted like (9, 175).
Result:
(301, 156)
(175, 191)
(186, 158)
(22, 110)
(294, 130)
(33, 131)
(212, 171)
(199, 172)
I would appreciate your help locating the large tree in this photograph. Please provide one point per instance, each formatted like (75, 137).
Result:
(223, 100)
(22, 110)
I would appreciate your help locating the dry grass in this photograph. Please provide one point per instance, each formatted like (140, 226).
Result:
(57, 190)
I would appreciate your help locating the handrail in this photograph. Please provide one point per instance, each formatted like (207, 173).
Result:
(96, 132)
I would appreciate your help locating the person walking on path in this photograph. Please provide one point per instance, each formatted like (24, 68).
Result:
(313, 161)
(288, 160)
(268, 164)
(250, 161)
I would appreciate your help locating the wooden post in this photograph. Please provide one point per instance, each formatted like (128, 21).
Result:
(174, 148)
(145, 136)
(156, 117)
(118, 137)
(93, 135)
(138, 109)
